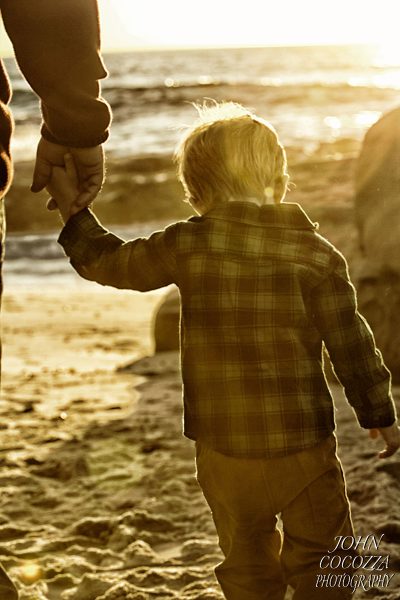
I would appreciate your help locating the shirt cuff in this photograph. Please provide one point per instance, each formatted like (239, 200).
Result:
(83, 143)
(76, 233)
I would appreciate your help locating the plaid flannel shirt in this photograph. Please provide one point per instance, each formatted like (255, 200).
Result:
(261, 292)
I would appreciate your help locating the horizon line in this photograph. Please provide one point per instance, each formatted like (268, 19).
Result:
(164, 47)
(8, 53)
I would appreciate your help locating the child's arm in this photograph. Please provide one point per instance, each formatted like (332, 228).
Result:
(63, 187)
(99, 255)
(356, 360)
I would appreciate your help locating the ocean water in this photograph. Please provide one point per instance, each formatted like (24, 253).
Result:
(37, 260)
(312, 95)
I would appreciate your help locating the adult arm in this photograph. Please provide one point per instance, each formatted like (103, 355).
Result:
(57, 46)
(6, 128)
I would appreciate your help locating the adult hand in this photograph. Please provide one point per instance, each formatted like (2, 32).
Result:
(391, 435)
(48, 155)
(63, 187)
(89, 163)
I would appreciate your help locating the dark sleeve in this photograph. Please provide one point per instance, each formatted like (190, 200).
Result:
(57, 47)
(349, 340)
(98, 255)
(6, 128)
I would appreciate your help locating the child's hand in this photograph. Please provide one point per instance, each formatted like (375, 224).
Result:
(63, 187)
(391, 435)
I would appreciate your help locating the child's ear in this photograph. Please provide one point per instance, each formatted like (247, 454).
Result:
(280, 187)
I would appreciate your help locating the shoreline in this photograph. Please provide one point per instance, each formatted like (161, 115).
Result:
(144, 190)
(145, 187)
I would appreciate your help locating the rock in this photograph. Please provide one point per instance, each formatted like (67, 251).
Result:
(377, 204)
(379, 301)
(166, 323)
(159, 365)
(166, 341)
(377, 186)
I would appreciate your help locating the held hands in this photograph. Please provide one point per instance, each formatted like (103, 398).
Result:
(63, 185)
(89, 164)
(391, 436)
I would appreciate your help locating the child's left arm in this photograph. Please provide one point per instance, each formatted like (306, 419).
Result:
(356, 360)
(63, 187)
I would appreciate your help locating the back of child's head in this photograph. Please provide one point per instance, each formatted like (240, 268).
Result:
(231, 154)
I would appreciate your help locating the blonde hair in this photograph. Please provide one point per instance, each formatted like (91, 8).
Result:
(230, 154)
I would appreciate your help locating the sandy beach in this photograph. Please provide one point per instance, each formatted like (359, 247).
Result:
(98, 492)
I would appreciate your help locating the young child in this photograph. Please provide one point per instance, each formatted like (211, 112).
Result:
(261, 292)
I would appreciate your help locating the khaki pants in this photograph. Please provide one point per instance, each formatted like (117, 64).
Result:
(245, 496)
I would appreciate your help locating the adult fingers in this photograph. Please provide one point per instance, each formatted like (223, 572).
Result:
(90, 166)
(71, 169)
(48, 155)
(41, 175)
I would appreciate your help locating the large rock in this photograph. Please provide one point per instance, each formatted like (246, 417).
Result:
(166, 323)
(165, 330)
(377, 206)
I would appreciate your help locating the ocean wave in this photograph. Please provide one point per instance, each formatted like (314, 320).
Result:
(173, 85)
(174, 90)
(309, 94)
(23, 95)
(33, 247)
(26, 250)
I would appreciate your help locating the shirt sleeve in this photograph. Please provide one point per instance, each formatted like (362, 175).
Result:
(97, 254)
(57, 47)
(350, 343)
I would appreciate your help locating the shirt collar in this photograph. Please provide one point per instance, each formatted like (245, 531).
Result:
(284, 215)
